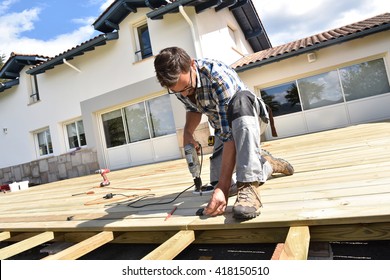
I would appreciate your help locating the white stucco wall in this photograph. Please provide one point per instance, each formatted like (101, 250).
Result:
(215, 38)
(16, 143)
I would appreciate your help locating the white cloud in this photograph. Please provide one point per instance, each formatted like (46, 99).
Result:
(286, 21)
(51, 47)
(105, 5)
(14, 24)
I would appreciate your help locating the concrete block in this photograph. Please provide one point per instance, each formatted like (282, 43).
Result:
(26, 170)
(76, 159)
(17, 173)
(62, 174)
(43, 165)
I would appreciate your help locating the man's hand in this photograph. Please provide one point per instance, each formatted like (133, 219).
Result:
(217, 203)
(188, 138)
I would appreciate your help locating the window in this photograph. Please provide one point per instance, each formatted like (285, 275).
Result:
(364, 80)
(76, 134)
(113, 129)
(145, 120)
(137, 124)
(34, 97)
(282, 99)
(161, 117)
(320, 90)
(45, 146)
(354, 82)
(144, 47)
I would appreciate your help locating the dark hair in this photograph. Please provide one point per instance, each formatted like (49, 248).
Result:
(169, 64)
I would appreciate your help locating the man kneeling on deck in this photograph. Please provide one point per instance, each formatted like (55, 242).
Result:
(212, 88)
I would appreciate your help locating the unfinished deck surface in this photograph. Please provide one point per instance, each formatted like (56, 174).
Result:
(340, 191)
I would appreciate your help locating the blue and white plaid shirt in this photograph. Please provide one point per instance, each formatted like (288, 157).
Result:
(216, 84)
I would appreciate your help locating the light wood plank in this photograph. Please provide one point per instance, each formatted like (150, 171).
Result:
(84, 247)
(297, 244)
(172, 247)
(24, 245)
(340, 189)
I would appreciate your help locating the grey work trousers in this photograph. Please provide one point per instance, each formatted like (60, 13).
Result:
(248, 119)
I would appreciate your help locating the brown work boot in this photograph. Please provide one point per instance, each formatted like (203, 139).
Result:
(233, 190)
(247, 205)
(278, 165)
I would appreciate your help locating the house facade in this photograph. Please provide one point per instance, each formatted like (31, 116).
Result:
(99, 105)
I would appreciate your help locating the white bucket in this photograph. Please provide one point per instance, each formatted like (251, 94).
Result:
(18, 186)
(14, 187)
(23, 185)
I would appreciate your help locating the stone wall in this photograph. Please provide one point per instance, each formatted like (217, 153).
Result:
(75, 164)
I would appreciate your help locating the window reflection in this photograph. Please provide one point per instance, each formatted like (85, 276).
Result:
(320, 90)
(350, 83)
(364, 80)
(283, 99)
(144, 120)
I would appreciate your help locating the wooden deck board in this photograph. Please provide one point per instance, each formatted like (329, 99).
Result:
(342, 180)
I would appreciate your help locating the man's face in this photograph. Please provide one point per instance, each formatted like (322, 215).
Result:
(186, 83)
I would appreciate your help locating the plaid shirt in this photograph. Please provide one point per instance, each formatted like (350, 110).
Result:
(215, 86)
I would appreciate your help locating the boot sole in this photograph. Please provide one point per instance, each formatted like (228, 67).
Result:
(246, 216)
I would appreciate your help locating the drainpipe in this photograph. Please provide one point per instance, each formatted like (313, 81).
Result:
(198, 50)
(70, 65)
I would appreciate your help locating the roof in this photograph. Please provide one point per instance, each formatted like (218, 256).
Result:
(335, 36)
(15, 63)
(109, 20)
(71, 53)
(243, 10)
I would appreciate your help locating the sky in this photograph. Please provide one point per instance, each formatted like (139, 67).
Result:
(50, 27)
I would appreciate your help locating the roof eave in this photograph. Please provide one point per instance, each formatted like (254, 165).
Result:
(88, 46)
(8, 84)
(170, 8)
(100, 23)
(11, 69)
(312, 48)
(119, 10)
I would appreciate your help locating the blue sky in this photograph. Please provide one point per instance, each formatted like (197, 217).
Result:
(50, 27)
(47, 27)
(54, 17)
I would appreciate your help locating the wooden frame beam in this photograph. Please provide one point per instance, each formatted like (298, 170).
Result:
(5, 235)
(84, 247)
(172, 247)
(297, 244)
(26, 244)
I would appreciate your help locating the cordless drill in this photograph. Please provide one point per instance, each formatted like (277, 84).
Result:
(194, 166)
(103, 173)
